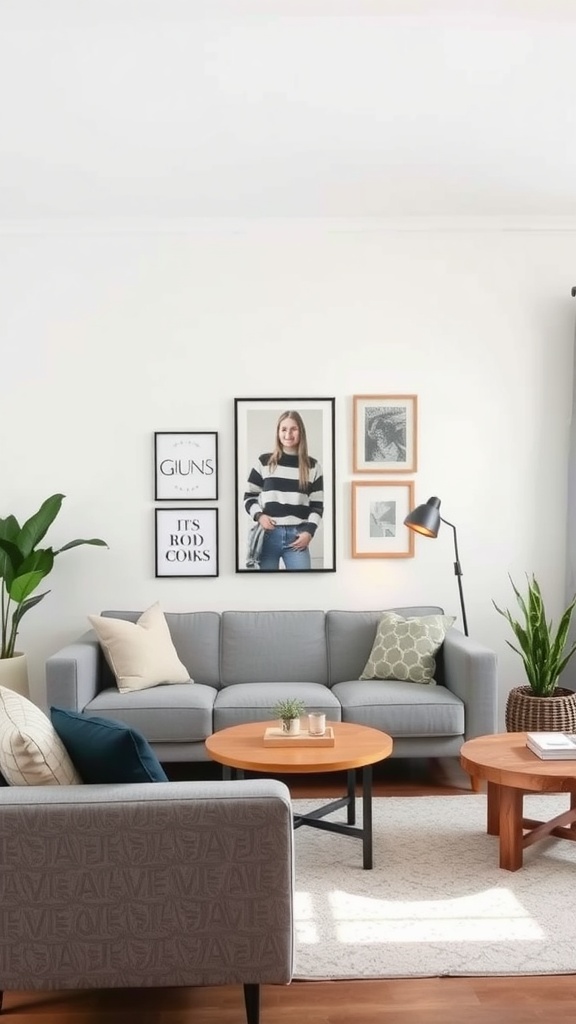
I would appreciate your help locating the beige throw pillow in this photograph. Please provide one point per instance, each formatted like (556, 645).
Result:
(31, 752)
(404, 649)
(141, 654)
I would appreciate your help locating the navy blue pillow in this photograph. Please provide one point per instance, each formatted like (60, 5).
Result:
(103, 750)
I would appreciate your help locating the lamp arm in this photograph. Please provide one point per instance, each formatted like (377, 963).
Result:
(458, 573)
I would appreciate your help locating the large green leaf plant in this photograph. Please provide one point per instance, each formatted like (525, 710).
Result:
(23, 566)
(542, 649)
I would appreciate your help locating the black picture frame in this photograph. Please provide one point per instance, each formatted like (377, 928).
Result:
(255, 431)
(186, 465)
(186, 542)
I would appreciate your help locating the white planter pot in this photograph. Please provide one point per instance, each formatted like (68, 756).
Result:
(291, 726)
(14, 674)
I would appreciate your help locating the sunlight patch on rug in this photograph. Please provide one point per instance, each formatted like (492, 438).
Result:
(366, 920)
(436, 902)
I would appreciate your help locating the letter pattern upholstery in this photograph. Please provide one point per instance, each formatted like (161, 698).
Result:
(104, 895)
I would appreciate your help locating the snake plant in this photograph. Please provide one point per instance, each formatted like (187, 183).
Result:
(541, 647)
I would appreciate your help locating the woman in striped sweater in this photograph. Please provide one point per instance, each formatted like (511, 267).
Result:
(284, 495)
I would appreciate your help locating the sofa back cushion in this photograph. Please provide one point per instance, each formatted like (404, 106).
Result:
(350, 637)
(274, 646)
(196, 637)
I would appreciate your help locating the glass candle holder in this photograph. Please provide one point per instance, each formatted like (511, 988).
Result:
(316, 723)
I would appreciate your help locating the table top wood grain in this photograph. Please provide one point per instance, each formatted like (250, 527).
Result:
(504, 759)
(242, 746)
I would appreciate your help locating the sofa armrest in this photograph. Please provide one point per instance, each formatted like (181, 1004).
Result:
(72, 674)
(157, 884)
(470, 673)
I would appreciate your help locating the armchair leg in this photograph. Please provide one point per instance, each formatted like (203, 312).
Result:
(252, 1003)
(1, 999)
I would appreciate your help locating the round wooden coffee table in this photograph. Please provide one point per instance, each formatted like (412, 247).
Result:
(241, 747)
(510, 770)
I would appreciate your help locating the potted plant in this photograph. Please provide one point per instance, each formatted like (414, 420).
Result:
(542, 705)
(23, 566)
(289, 710)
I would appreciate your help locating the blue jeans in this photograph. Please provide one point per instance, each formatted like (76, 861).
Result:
(275, 546)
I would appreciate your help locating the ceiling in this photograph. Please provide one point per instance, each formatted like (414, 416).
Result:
(163, 109)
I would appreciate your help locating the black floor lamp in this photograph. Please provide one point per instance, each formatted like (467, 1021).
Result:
(426, 519)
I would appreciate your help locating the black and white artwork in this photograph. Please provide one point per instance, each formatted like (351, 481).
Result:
(186, 541)
(385, 433)
(379, 509)
(186, 466)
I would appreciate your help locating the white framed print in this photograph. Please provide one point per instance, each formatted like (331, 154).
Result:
(186, 466)
(186, 541)
(379, 509)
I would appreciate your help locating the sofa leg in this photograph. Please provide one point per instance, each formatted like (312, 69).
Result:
(1, 999)
(252, 1003)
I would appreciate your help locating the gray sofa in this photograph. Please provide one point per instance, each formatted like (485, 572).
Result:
(121, 886)
(242, 662)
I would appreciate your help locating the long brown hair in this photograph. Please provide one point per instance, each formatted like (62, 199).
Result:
(303, 457)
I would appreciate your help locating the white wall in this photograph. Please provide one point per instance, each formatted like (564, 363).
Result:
(109, 334)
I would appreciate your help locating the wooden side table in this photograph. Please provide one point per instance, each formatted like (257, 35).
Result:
(241, 747)
(511, 770)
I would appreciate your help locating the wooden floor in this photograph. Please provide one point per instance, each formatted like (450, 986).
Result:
(531, 1000)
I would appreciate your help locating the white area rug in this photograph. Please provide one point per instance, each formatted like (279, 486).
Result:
(436, 902)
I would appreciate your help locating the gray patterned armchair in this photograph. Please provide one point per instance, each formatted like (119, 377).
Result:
(159, 884)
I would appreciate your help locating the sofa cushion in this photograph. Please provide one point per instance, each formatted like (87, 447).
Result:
(163, 714)
(31, 752)
(196, 637)
(401, 709)
(104, 750)
(245, 702)
(263, 645)
(140, 654)
(404, 648)
(350, 636)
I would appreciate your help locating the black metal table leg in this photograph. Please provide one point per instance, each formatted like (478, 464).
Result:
(367, 815)
(316, 818)
(351, 796)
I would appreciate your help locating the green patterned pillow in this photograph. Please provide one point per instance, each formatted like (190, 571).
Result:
(404, 648)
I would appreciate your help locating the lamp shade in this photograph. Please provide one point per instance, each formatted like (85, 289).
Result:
(426, 518)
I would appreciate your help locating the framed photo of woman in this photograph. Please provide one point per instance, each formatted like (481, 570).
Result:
(285, 484)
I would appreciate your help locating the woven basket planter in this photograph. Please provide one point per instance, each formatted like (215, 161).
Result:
(527, 713)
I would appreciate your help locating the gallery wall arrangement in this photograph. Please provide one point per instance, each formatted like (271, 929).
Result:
(285, 486)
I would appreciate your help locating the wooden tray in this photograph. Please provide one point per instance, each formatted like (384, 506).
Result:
(274, 737)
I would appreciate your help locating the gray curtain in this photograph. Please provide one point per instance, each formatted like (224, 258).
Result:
(569, 675)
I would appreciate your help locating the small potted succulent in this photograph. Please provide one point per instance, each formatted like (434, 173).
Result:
(289, 710)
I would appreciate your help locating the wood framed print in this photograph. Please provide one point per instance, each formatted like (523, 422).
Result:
(385, 433)
(186, 541)
(285, 484)
(186, 466)
(379, 509)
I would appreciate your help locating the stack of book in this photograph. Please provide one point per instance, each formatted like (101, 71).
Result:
(552, 745)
